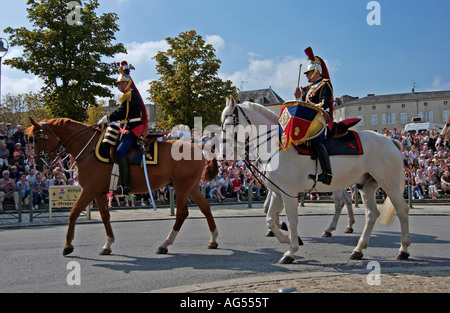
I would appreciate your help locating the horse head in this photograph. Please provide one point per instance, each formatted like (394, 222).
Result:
(245, 127)
(45, 141)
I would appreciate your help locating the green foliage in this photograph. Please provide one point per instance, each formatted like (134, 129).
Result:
(17, 108)
(189, 86)
(68, 57)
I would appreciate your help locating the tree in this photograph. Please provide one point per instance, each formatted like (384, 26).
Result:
(189, 86)
(17, 108)
(65, 48)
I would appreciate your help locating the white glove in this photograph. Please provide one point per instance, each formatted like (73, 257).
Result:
(104, 120)
(438, 142)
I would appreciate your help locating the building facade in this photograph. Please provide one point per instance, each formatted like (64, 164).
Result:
(395, 110)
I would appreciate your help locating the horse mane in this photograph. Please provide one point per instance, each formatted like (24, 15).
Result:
(59, 122)
(270, 115)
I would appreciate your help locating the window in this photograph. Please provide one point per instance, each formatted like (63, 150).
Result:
(425, 104)
(445, 114)
(361, 122)
(445, 102)
(374, 107)
(388, 118)
(359, 108)
(403, 106)
(388, 106)
(404, 118)
(374, 119)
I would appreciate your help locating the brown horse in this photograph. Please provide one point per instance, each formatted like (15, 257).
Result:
(94, 176)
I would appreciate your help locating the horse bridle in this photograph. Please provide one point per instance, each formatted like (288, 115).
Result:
(253, 168)
(54, 154)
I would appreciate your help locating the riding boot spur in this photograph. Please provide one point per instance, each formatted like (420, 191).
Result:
(324, 160)
(124, 170)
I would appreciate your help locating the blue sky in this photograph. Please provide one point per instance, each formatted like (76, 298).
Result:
(261, 42)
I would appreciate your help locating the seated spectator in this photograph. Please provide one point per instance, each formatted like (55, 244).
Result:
(215, 190)
(14, 174)
(31, 177)
(40, 190)
(432, 183)
(24, 189)
(7, 190)
(445, 182)
(59, 181)
(421, 182)
(17, 161)
(237, 187)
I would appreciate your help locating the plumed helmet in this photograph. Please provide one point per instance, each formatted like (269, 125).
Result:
(124, 73)
(317, 64)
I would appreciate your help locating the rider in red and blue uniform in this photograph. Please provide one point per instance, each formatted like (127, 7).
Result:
(320, 94)
(132, 115)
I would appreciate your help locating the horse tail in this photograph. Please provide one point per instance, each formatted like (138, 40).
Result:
(211, 171)
(388, 209)
(387, 212)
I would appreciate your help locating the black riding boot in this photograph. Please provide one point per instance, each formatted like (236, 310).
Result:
(324, 161)
(124, 175)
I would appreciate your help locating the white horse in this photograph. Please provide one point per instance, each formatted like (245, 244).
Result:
(286, 175)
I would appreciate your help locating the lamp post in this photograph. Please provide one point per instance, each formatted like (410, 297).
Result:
(3, 52)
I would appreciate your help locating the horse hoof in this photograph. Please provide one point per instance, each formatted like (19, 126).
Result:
(162, 250)
(349, 230)
(356, 255)
(326, 235)
(213, 245)
(284, 226)
(287, 260)
(270, 234)
(105, 251)
(402, 256)
(67, 251)
(300, 241)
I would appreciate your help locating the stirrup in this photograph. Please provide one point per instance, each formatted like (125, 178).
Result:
(121, 191)
(324, 178)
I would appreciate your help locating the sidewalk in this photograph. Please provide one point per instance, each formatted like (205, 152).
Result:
(231, 209)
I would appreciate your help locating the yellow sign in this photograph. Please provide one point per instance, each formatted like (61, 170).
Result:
(64, 196)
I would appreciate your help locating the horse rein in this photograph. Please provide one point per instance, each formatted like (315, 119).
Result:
(252, 167)
(45, 137)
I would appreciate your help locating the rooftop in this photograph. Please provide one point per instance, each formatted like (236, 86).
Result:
(429, 95)
(261, 96)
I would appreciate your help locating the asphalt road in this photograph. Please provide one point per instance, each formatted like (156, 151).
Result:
(31, 259)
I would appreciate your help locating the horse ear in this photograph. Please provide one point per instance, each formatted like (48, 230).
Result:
(232, 102)
(36, 125)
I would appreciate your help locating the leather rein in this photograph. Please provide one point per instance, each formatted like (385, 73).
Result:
(253, 168)
(62, 147)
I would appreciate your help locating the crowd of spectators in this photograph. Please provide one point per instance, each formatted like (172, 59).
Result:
(19, 176)
(426, 171)
(426, 166)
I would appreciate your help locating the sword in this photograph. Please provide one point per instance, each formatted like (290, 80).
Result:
(146, 178)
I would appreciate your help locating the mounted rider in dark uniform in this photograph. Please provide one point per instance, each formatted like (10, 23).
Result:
(132, 116)
(320, 94)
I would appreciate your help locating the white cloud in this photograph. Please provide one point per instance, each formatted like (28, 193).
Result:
(216, 41)
(262, 73)
(21, 85)
(439, 84)
(141, 52)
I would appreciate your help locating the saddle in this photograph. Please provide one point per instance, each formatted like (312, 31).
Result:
(106, 147)
(344, 144)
